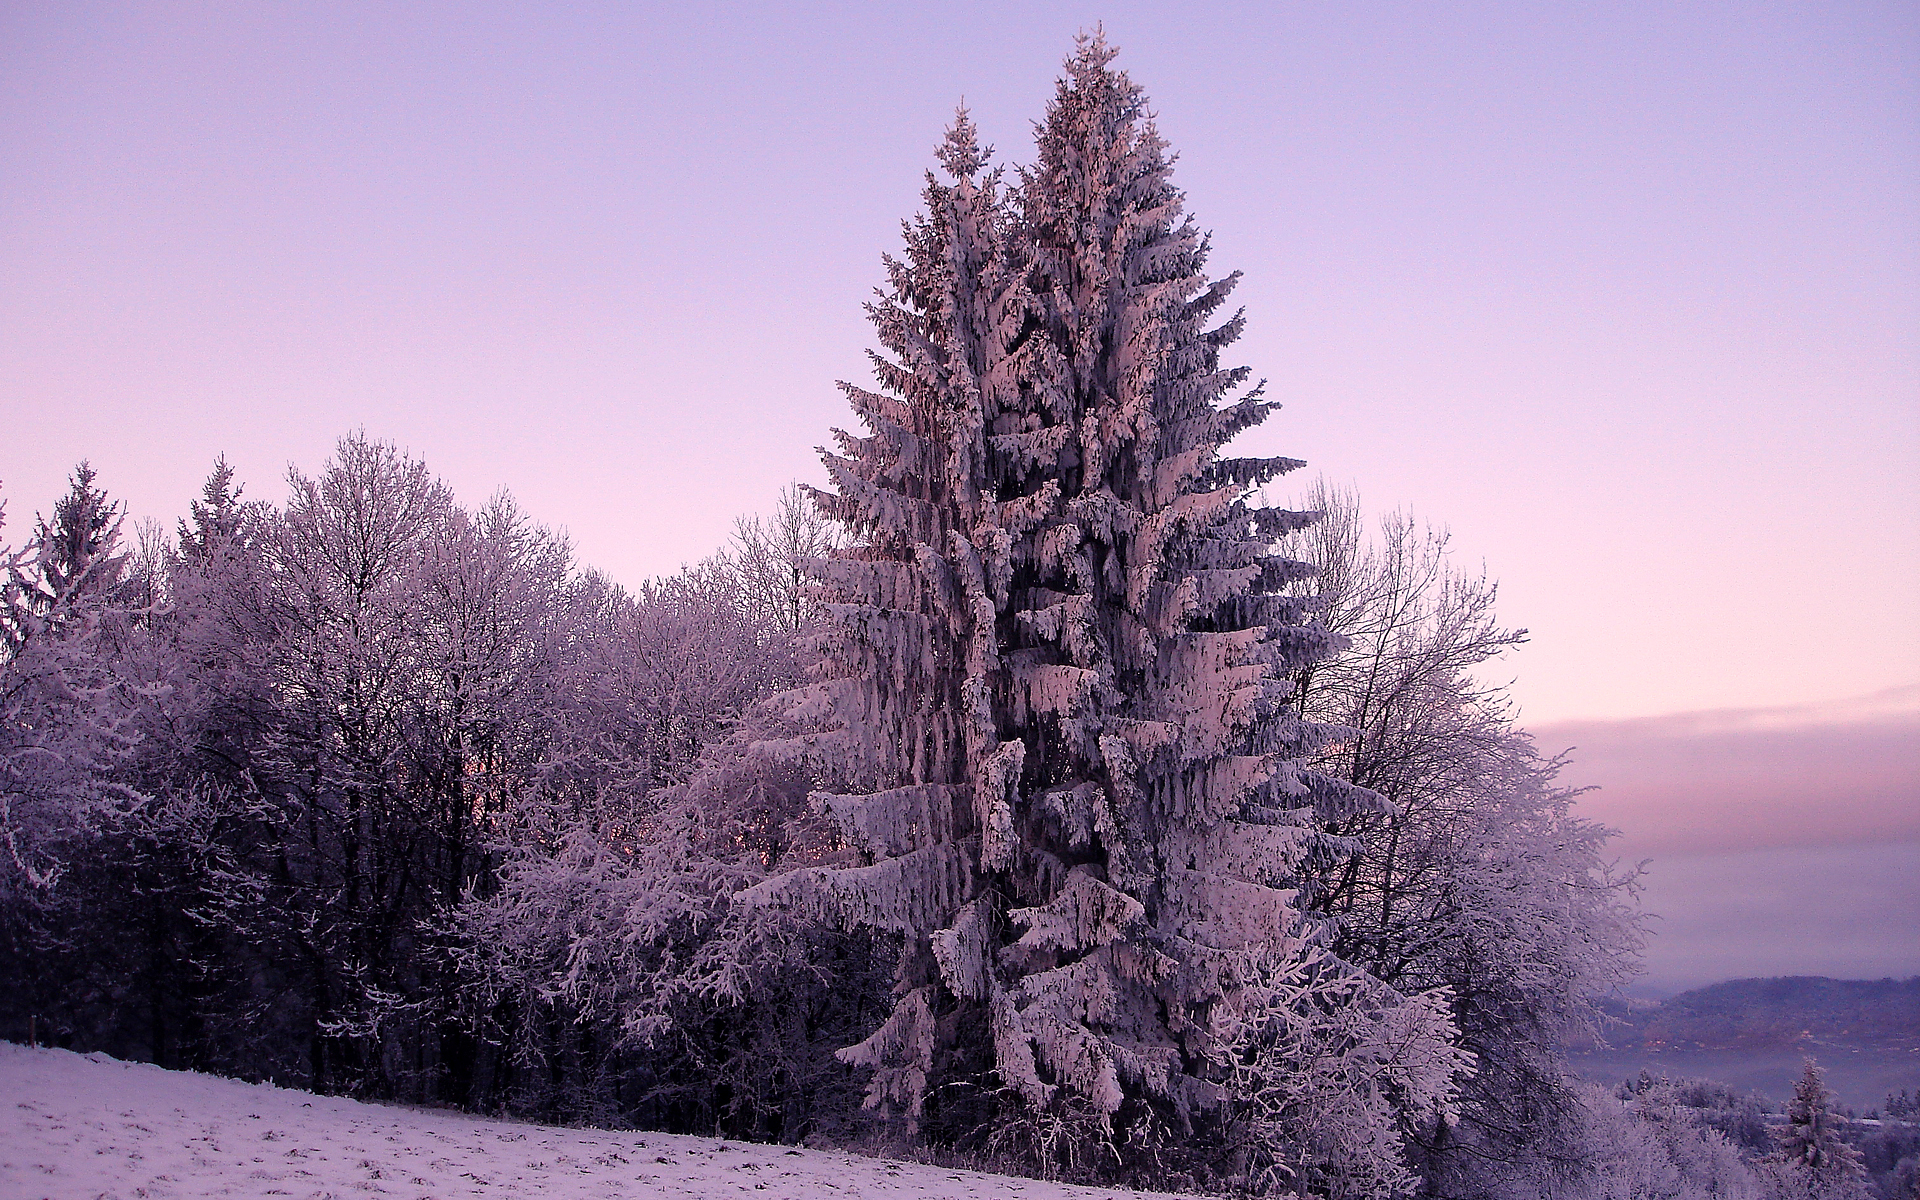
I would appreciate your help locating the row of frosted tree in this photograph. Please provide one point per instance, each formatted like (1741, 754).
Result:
(251, 771)
(1033, 795)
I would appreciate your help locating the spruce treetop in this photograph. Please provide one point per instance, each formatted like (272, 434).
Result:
(76, 546)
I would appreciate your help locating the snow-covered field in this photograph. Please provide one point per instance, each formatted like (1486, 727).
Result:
(76, 1127)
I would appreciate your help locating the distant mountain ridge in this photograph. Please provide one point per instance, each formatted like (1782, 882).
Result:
(1752, 1033)
(1778, 1013)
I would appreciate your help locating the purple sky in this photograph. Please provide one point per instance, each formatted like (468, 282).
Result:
(1628, 295)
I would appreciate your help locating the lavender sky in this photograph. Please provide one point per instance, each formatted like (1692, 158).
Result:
(1627, 295)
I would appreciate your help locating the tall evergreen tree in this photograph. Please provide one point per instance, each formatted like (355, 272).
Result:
(77, 546)
(217, 518)
(1056, 657)
(65, 713)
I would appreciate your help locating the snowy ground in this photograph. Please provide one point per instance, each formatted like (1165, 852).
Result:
(76, 1127)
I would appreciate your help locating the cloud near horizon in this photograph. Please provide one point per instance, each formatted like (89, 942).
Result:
(1839, 774)
(1783, 841)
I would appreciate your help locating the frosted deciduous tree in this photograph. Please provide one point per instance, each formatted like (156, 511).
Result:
(616, 928)
(1638, 1145)
(769, 556)
(409, 660)
(609, 964)
(1055, 664)
(666, 668)
(318, 733)
(1478, 876)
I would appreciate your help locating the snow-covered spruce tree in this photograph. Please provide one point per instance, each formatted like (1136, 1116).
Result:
(66, 715)
(1054, 666)
(1814, 1160)
(77, 546)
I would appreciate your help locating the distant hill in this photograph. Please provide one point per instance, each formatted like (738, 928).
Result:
(1752, 1033)
(1797, 1011)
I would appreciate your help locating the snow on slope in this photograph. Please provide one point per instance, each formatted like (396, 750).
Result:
(76, 1127)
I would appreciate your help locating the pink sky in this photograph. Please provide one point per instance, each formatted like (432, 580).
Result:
(1628, 295)
(1780, 841)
